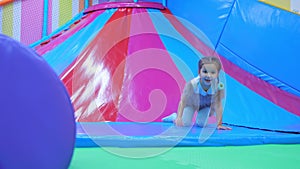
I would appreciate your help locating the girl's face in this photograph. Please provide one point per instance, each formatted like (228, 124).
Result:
(208, 74)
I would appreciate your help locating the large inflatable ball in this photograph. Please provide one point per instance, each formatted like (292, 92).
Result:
(36, 116)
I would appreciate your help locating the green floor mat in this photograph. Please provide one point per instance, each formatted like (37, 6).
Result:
(235, 157)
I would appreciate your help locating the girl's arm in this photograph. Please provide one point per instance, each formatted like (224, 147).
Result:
(178, 120)
(182, 103)
(218, 108)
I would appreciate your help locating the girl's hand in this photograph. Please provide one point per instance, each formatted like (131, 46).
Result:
(220, 127)
(178, 121)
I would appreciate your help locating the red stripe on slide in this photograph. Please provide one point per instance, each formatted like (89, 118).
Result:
(108, 59)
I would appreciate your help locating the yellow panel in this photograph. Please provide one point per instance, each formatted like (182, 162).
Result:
(283, 4)
(65, 11)
(7, 19)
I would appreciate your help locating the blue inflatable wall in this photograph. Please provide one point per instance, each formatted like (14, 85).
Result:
(260, 42)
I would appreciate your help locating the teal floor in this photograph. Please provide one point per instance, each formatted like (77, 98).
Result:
(230, 157)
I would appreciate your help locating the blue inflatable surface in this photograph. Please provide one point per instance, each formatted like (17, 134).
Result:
(128, 134)
(259, 44)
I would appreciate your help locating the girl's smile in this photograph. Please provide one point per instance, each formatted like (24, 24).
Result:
(208, 73)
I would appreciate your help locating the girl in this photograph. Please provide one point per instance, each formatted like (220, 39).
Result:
(202, 94)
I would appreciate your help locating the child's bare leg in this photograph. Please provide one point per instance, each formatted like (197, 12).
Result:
(202, 117)
(187, 116)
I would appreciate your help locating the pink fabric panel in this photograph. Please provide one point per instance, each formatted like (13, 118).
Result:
(31, 21)
(152, 84)
(49, 26)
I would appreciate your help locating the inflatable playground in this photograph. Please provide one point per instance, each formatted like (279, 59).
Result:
(86, 84)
